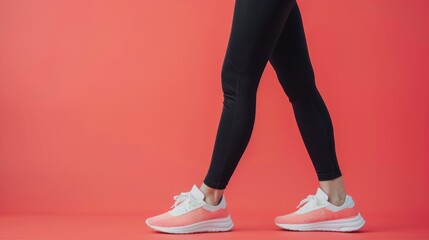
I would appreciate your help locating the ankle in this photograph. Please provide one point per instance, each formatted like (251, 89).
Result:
(212, 200)
(335, 190)
(337, 200)
(212, 196)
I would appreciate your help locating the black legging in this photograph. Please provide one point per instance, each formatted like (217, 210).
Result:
(262, 31)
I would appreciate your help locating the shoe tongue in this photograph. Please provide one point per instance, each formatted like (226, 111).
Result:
(321, 194)
(196, 192)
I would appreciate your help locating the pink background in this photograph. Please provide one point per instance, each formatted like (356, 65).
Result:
(113, 106)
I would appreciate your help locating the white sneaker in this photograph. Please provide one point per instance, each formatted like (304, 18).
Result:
(191, 214)
(317, 214)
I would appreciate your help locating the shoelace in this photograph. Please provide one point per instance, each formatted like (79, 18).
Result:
(182, 197)
(308, 199)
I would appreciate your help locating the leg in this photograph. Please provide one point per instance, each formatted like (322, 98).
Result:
(256, 27)
(292, 64)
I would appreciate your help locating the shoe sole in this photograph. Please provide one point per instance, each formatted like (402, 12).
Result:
(339, 225)
(212, 225)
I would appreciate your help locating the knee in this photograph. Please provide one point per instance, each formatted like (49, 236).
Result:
(237, 83)
(229, 77)
(300, 86)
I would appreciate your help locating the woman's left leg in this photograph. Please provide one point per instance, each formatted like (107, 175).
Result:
(330, 209)
(291, 62)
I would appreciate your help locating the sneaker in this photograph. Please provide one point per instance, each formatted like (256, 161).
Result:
(317, 214)
(191, 214)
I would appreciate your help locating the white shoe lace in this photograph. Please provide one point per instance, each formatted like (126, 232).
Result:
(310, 198)
(182, 197)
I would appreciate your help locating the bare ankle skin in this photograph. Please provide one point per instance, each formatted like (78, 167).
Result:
(212, 195)
(335, 190)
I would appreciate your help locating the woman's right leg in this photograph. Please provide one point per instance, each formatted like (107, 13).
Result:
(291, 62)
(256, 27)
(330, 209)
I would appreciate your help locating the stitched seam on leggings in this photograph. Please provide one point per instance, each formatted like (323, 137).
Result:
(333, 142)
(331, 139)
(332, 145)
(318, 113)
(233, 119)
(326, 131)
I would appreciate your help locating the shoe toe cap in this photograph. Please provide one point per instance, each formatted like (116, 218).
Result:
(151, 221)
(284, 219)
(154, 220)
(278, 219)
(161, 220)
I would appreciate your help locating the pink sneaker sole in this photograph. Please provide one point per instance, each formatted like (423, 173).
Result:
(212, 225)
(338, 225)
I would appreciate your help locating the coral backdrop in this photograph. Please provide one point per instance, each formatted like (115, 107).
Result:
(113, 106)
